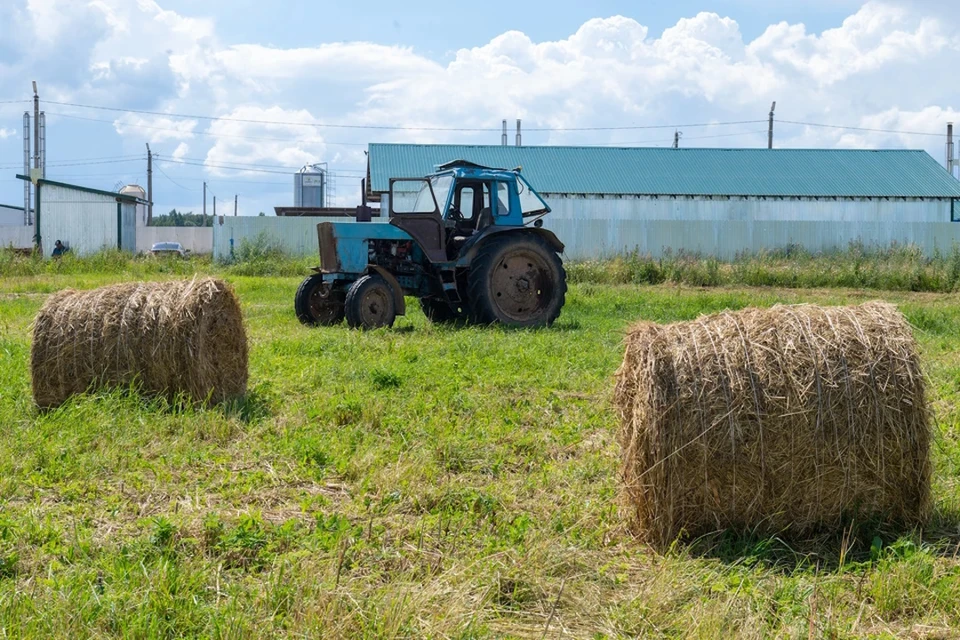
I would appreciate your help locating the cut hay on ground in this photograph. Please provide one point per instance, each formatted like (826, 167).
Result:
(789, 419)
(166, 338)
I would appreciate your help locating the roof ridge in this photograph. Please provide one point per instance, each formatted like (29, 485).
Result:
(638, 148)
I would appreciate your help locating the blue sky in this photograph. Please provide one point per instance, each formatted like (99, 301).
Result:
(271, 74)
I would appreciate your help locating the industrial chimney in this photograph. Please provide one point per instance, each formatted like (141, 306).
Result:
(951, 162)
(503, 139)
(518, 132)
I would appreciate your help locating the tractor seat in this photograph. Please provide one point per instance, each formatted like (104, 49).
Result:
(485, 219)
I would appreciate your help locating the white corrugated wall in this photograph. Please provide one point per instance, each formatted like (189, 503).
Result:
(595, 227)
(11, 216)
(17, 237)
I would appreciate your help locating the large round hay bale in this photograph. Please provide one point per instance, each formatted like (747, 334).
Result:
(781, 420)
(165, 338)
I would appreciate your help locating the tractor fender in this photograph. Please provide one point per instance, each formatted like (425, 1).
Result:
(398, 299)
(473, 247)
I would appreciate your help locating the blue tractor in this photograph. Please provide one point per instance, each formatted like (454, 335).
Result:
(466, 241)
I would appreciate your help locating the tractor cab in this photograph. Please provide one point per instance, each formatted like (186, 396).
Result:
(450, 210)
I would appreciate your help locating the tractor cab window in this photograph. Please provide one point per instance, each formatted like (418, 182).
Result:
(469, 200)
(503, 199)
(531, 204)
(412, 196)
(441, 189)
(464, 202)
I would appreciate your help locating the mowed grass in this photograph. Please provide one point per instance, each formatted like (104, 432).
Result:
(421, 482)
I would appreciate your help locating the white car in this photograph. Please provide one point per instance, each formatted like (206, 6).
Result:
(168, 248)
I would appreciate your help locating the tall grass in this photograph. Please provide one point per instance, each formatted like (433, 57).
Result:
(893, 268)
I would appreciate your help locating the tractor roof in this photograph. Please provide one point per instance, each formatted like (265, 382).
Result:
(467, 169)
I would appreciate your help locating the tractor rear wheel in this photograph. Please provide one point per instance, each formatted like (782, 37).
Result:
(370, 304)
(317, 303)
(516, 280)
(439, 312)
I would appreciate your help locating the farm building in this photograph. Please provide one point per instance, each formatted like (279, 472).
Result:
(86, 220)
(716, 202)
(11, 216)
(14, 231)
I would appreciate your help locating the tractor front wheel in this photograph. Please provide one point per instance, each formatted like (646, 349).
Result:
(317, 303)
(370, 304)
(516, 280)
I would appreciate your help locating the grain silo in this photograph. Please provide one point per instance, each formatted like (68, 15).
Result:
(310, 186)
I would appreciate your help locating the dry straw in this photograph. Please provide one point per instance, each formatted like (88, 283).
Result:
(166, 338)
(790, 419)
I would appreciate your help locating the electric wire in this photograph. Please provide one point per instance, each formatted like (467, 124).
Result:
(385, 127)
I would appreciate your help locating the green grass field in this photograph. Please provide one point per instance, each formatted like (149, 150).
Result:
(418, 482)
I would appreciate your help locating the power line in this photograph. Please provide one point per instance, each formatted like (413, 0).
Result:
(651, 141)
(237, 168)
(275, 166)
(174, 181)
(836, 126)
(82, 164)
(386, 127)
(202, 133)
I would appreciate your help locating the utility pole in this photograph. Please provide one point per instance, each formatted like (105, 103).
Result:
(234, 205)
(149, 186)
(204, 202)
(773, 108)
(676, 139)
(214, 206)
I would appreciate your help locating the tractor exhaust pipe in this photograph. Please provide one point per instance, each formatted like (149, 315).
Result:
(364, 214)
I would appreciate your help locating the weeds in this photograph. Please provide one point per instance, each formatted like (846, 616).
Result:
(895, 268)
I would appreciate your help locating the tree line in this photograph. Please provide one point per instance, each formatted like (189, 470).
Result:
(179, 219)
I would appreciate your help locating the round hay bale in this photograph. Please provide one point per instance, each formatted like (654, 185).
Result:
(166, 338)
(783, 420)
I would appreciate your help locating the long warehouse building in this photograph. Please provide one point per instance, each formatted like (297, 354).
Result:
(715, 202)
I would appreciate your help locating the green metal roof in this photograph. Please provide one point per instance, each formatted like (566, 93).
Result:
(694, 172)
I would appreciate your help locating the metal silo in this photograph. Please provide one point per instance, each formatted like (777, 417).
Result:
(310, 186)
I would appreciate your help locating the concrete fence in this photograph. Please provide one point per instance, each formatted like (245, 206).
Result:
(293, 236)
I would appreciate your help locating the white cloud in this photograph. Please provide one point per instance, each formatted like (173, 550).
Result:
(181, 151)
(246, 143)
(7, 133)
(155, 128)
